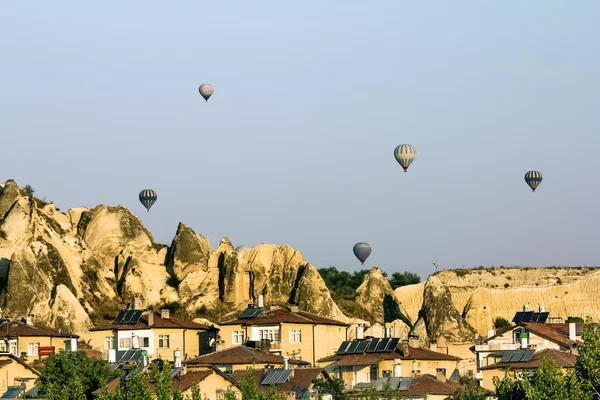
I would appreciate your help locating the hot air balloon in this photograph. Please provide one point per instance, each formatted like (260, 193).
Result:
(242, 248)
(206, 90)
(148, 198)
(533, 179)
(405, 154)
(362, 251)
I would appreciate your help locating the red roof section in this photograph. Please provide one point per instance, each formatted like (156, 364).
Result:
(414, 353)
(20, 328)
(300, 381)
(159, 323)
(285, 315)
(563, 359)
(241, 355)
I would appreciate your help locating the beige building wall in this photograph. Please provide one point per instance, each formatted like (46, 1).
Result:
(212, 386)
(15, 374)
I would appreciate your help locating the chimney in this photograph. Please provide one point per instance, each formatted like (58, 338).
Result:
(360, 332)
(541, 308)
(177, 358)
(265, 346)
(285, 362)
(491, 332)
(525, 307)
(397, 368)
(405, 349)
(572, 331)
(261, 303)
(524, 339)
(150, 318)
(29, 319)
(164, 313)
(433, 346)
(440, 374)
(294, 309)
(135, 303)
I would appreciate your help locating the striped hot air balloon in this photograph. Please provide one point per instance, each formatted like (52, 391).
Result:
(533, 179)
(405, 155)
(148, 198)
(362, 251)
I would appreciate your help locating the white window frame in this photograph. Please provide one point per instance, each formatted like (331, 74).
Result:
(14, 349)
(237, 337)
(33, 349)
(295, 335)
(271, 334)
(161, 341)
(109, 342)
(125, 343)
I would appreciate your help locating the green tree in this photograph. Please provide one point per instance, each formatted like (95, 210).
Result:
(274, 394)
(470, 391)
(500, 323)
(587, 366)
(73, 376)
(249, 389)
(577, 320)
(403, 279)
(28, 190)
(334, 387)
(162, 381)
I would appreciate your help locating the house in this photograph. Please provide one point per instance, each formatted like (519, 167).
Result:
(32, 339)
(523, 335)
(212, 382)
(291, 332)
(157, 334)
(242, 358)
(515, 361)
(294, 383)
(16, 377)
(422, 387)
(364, 361)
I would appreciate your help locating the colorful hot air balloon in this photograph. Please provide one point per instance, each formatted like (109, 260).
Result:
(206, 90)
(533, 179)
(362, 251)
(405, 155)
(148, 198)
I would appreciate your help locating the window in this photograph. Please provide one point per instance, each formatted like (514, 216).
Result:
(109, 342)
(2, 346)
(163, 341)
(145, 342)
(125, 343)
(238, 337)
(386, 374)
(296, 336)
(13, 347)
(33, 349)
(271, 334)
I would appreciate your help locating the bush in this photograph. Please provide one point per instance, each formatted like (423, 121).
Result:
(28, 190)
(577, 320)
(460, 272)
(500, 322)
(403, 279)
(506, 285)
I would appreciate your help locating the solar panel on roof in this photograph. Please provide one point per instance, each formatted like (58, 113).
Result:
(516, 357)
(353, 346)
(343, 348)
(277, 376)
(527, 355)
(507, 356)
(372, 345)
(284, 376)
(518, 317)
(382, 345)
(246, 313)
(119, 317)
(136, 317)
(175, 372)
(127, 319)
(267, 379)
(362, 346)
(405, 383)
(543, 317)
(527, 316)
(534, 317)
(392, 345)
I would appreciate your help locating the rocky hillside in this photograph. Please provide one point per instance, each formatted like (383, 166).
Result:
(74, 269)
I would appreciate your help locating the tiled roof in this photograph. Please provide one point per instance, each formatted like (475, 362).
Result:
(299, 382)
(19, 328)
(284, 315)
(414, 353)
(6, 359)
(428, 384)
(564, 327)
(549, 333)
(241, 355)
(159, 323)
(563, 359)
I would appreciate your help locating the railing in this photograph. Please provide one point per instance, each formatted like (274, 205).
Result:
(497, 346)
(276, 346)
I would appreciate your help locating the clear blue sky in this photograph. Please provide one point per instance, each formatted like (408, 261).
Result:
(99, 100)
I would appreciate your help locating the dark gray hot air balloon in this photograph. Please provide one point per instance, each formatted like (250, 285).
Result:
(362, 251)
(206, 90)
(533, 179)
(148, 198)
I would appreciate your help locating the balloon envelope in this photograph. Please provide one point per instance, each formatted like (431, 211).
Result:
(148, 198)
(206, 90)
(362, 251)
(533, 179)
(405, 155)
(242, 248)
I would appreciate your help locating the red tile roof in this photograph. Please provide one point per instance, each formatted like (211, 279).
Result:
(549, 333)
(428, 384)
(299, 383)
(159, 323)
(563, 359)
(414, 353)
(20, 328)
(241, 355)
(285, 315)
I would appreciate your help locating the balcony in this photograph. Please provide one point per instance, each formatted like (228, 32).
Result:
(497, 345)
(276, 346)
